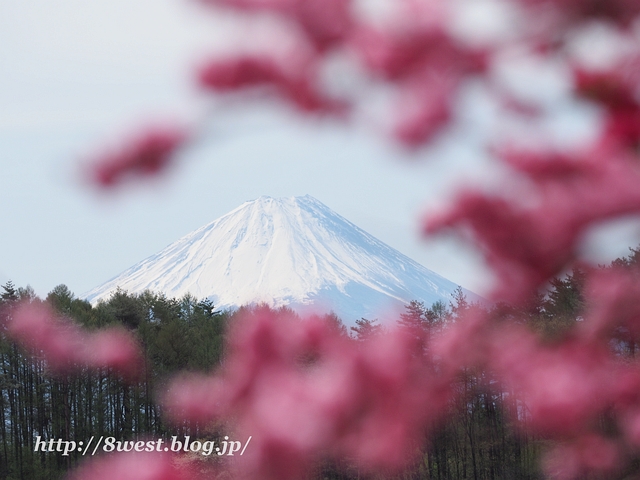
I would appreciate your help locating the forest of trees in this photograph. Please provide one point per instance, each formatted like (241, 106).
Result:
(477, 441)
(175, 335)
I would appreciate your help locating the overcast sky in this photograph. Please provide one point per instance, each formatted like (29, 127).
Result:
(75, 74)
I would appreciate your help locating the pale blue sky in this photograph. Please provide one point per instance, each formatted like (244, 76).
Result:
(75, 73)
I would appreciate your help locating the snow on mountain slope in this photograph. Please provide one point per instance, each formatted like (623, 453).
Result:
(285, 251)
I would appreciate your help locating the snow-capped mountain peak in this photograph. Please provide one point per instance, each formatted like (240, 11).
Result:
(285, 251)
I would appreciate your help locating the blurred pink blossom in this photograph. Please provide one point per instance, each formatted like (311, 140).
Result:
(146, 154)
(529, 239)
(133, 466)
(614, 297)
(418, 44)
(577, 11)
(424, 108)
(65, 346)
(303, 391)
(587, 454)
(295, 83)
(324, 22)
(616, 89)
(562, 386)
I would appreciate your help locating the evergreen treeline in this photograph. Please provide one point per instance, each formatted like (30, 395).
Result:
(477, 441)
(175, 334)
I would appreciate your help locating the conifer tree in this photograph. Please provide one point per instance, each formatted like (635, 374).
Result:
(366, 329)
(415, 316)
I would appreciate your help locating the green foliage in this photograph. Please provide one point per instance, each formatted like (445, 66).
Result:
(415, 316)
(437, 315)
(366, 329)
(459, 306)
(126, 309)
(431, 319)
(631, 262)
(175, 335)
(552, 313)
(61, 299)
(334, 323)
(10, 293)
(565, 298)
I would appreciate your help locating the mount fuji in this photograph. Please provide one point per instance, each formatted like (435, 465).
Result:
(285, 251)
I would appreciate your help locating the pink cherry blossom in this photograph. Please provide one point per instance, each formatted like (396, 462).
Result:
(424, 108)
(112, 348)
(563, 386)
(615, 302)
(294, 84)
(324, 22)
(146, 154)
(65, 346)
(615, 89)
(302, 391)
(587, 454)
(576, 11)
(133, 466)
(528, 240)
